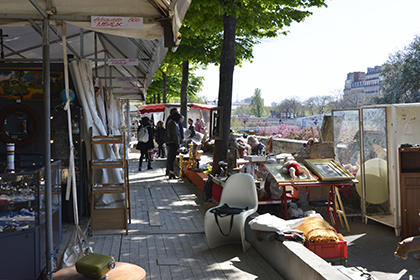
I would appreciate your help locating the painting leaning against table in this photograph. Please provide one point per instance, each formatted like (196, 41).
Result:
(328, 170)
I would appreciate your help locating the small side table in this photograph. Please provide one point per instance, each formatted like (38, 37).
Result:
(122, 270)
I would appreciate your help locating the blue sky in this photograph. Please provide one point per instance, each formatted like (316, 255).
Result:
(315, 57)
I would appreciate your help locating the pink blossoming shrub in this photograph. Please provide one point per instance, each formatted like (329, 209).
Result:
(288, 131)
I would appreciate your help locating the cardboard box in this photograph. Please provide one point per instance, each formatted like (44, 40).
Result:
(328, 250)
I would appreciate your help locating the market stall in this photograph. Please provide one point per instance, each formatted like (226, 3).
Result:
(159, 112)
(34, 36)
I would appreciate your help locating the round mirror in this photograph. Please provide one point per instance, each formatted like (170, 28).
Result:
(19, 124)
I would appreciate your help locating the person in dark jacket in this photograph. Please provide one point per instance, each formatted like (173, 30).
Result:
(171, 112)
(181, 129)
(160, 138)
(172, 143)
(145, 146)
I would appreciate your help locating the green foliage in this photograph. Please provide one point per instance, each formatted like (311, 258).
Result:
(198, 99)
(242, 109)
(257, 104)
(236, 124)
(401, 74)
(173, 83)
(202, 28)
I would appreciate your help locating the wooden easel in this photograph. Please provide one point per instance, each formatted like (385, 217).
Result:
(340, 210)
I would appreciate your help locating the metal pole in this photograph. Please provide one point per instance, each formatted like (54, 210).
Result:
(47, 143)
(82, 44)
(96, 53)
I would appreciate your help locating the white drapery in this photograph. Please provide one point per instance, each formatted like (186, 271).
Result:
(81, 72)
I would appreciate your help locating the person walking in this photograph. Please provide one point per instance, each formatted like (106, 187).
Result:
(168, 119)
(172, 143)
(145, 143)
(160, 138)
(191, 130)
(181, 129)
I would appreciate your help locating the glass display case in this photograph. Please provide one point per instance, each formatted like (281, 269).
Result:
(366, 142)
(19, 200)
(23, 220)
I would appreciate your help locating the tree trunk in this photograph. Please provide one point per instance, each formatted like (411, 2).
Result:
(227, 65)
(164, 87)
(184, 87)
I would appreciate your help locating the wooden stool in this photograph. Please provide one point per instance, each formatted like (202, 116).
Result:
(121, 271)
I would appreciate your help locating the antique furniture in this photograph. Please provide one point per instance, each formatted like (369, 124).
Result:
(239, 191)
(23, 221)
(116, 216)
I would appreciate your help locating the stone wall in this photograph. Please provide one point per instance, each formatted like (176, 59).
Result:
(291, 259)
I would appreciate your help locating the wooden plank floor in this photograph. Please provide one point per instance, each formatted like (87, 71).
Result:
(166, 235)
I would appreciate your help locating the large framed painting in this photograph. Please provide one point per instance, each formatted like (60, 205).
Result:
(25, 82)
(276, 170)
(328, 170)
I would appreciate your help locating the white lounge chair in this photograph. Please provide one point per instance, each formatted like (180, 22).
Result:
(239, 191)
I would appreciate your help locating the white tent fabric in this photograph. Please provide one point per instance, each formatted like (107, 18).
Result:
(78, 13)
(158, 117)
(113, 114)
(20, 20)
(82, 77)
(100, 101)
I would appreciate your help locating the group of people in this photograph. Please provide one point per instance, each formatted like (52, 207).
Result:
(170, 133)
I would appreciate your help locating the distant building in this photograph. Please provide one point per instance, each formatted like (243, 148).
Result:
(242, 102)
(360, 87)
(246, 101)
(373, 79)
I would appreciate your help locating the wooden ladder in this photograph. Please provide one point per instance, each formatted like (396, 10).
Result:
(109, 218)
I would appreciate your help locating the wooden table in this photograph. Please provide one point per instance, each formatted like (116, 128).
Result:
(275, 171)
(331, 206)
(126, 271)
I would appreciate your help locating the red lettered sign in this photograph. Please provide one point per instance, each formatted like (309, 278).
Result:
(116, 22)
(123, 61)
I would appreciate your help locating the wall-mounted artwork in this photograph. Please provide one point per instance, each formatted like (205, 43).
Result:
(25, 83)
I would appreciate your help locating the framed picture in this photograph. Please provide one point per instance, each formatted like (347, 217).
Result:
(25, 82)
(328, 170)
(276, 170)
(216, 123)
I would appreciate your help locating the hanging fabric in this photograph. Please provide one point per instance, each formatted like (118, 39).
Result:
(81, 72)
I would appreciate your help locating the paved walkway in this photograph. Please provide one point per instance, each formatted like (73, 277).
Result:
(166, 234)
(166, 237)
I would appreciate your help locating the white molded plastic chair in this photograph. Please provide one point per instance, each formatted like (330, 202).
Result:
(239, 191)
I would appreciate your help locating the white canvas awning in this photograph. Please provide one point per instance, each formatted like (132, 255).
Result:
(21, 22)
